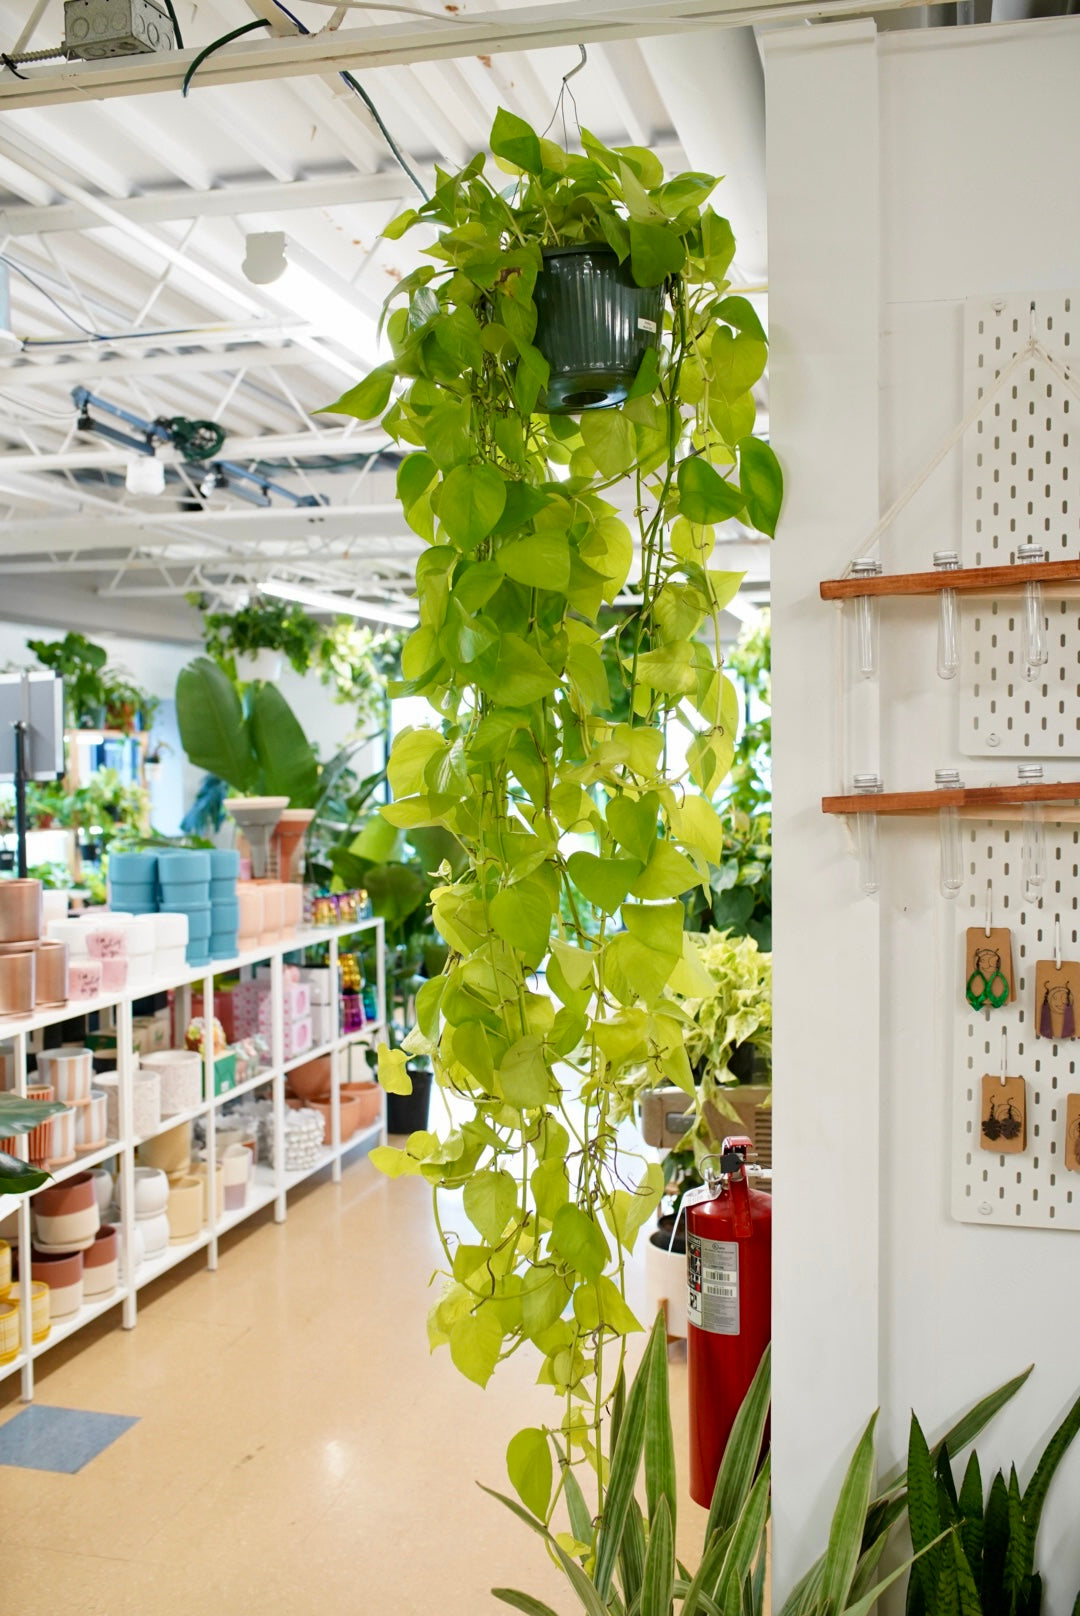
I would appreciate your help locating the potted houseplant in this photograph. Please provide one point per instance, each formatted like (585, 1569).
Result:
(80, 663)
(535, 523)
(252, 642)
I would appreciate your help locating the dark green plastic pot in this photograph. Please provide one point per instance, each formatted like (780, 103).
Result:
(594, 327)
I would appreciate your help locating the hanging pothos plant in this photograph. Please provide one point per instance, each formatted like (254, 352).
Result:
(534, 525)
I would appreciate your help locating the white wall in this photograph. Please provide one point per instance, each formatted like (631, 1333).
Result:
(906, 173)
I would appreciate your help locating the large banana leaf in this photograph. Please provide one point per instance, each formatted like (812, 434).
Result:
(19, 1177)
(21, 1116)
(213, 730)
(288, 763)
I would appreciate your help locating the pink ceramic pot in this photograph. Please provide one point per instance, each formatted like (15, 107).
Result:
(84, 979)
(101, 1263)
(63, 1274)
(250, 898)
(66, 1216)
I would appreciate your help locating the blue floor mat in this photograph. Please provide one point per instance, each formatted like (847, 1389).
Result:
(59, 1439)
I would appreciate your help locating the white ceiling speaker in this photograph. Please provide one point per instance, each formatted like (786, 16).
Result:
(303, 285)
(145, 474)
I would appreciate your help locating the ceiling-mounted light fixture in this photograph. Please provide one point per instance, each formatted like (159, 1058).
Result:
(298, 281)
(324, 600)
(144, 474)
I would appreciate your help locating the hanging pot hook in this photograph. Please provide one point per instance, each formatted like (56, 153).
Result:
(1057, 942)
(989, 906)
(1004, 1054)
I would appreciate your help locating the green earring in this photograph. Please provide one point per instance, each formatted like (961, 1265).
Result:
(976, 996)
(997, 996)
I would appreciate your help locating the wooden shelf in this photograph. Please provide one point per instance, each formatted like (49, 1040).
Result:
(965, 580)
(969, 799)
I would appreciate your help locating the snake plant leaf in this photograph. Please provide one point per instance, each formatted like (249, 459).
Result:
(516, 142)
(995, 1542)
(525, 1602)
(762, 483)
(746, 1544)
(658, 1583)
(660, 1485)
(1019, 1550)
(971, 1511)
(528, 1464)
(18, 1177)
(845, 1532)
(580, 1520)
(924, 1520)
(704, 496)
(742, 1454)
(632, 1553)
(213, 730)
(967, 1594)
(624, 1466)
(18, 1116)
(1053, 1453)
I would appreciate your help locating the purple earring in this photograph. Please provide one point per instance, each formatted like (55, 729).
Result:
(1068, 1020)
(1046, 1025)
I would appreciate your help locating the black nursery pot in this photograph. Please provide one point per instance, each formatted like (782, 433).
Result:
(408, 1113)
(594, 327)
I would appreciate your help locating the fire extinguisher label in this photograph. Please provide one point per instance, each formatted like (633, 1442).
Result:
(712, 1277)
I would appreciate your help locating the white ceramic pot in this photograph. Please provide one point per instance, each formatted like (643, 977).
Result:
(170, 931)
(236, 1161)
(101, 1280)
(262, 664)
(151, 1192)
(181, 1075)
(64, 1300)
(69, 1071)
(665, 1286)
(146, 1102)
(61, 1136)
(103, 1188)
(155, 1234)
(185, 1208)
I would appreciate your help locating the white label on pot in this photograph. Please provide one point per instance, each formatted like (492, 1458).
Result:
(646, 325)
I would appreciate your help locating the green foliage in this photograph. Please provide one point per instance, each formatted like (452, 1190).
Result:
(547, 761)
(256, 744)
(19, 1116)
(262, 625)
(986, 1567)
(95, 696)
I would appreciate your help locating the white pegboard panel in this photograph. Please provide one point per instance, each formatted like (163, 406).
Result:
(1033, 1189)
(1021, 484)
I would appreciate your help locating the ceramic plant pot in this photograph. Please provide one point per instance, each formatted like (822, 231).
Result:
(136, 869)
(594, 326)
(263, 664)
(369, 1096)
(256, 818)
(18, 981)
(273, 919)
(40, 1315)
(9, 1332)
(63, 1274)
(199, 1171)
(106, 942)
(249, 900)
(181, 1074)
(170, 1151)
(185, 1209)
(665, 1282)
(84, 979)
(91, 1123)
(236, 1166)
(155, 1234)
(224, 864)
(349, 1115)
(51, 974)
(313, 1077)
(5, 1267)
(184, 866)
(103, 1187)
(60, 1150)
(151, 1192)
(292, 898)
(287, 842)
(20, 911)
(69, 1072)
(66, 1216)
(39, 1138)
(101, 1264)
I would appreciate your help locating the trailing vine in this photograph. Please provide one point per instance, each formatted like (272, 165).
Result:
(581, 832)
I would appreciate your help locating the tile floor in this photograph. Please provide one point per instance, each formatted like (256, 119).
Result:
(297, 1449)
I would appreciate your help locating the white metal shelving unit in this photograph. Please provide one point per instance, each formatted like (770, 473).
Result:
(271, 1185)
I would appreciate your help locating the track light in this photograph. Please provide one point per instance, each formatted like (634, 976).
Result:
(145, 474)
(324, 600)
(296, 279)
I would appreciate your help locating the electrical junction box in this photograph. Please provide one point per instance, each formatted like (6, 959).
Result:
(100, 28)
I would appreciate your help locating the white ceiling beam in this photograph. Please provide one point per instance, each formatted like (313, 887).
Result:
(272, 446)
(346, 189)
(537, 27)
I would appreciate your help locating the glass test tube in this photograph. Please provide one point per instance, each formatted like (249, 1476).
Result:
(1033, 844)
(866, 833)
(948, 643)
(866, 616)
(1034, 650)
(949, 835)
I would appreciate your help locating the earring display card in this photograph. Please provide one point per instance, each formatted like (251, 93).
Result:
(1072, 1132)
(1003, 1119)
(1057, 995)
(989, 973)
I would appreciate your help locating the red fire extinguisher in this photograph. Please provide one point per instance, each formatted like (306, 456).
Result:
(729, 1305)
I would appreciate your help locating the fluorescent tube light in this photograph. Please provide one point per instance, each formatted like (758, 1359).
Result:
(297, 280)
(324, 600)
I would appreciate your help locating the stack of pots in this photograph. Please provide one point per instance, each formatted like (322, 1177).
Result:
(33, 973)
(67, 1224)
(224, 907)
(133, 883)
(69, 1073)
(107, 942)
(152, 1230)
(185, 877)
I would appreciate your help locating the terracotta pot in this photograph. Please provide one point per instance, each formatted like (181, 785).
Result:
(20, 911)
(101, 1263)
(84, 979)
(66, 1216)
(313, 1077)
(37, 1140)
(171, 1150)
(151, 1192)
(9, 1332)
(17, 982)
(51, 973)
(199, 1171)
(63, 1273)
(60, 1149)
(69, 1071)
(369, 1096)
(40, 1316)
(185, 1209)
(91, 1123)
(350, 1113)
(287, 840)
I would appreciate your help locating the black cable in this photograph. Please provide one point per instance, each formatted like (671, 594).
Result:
(358, 89)
(10, 65)
(226, 39)
(176, 24)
